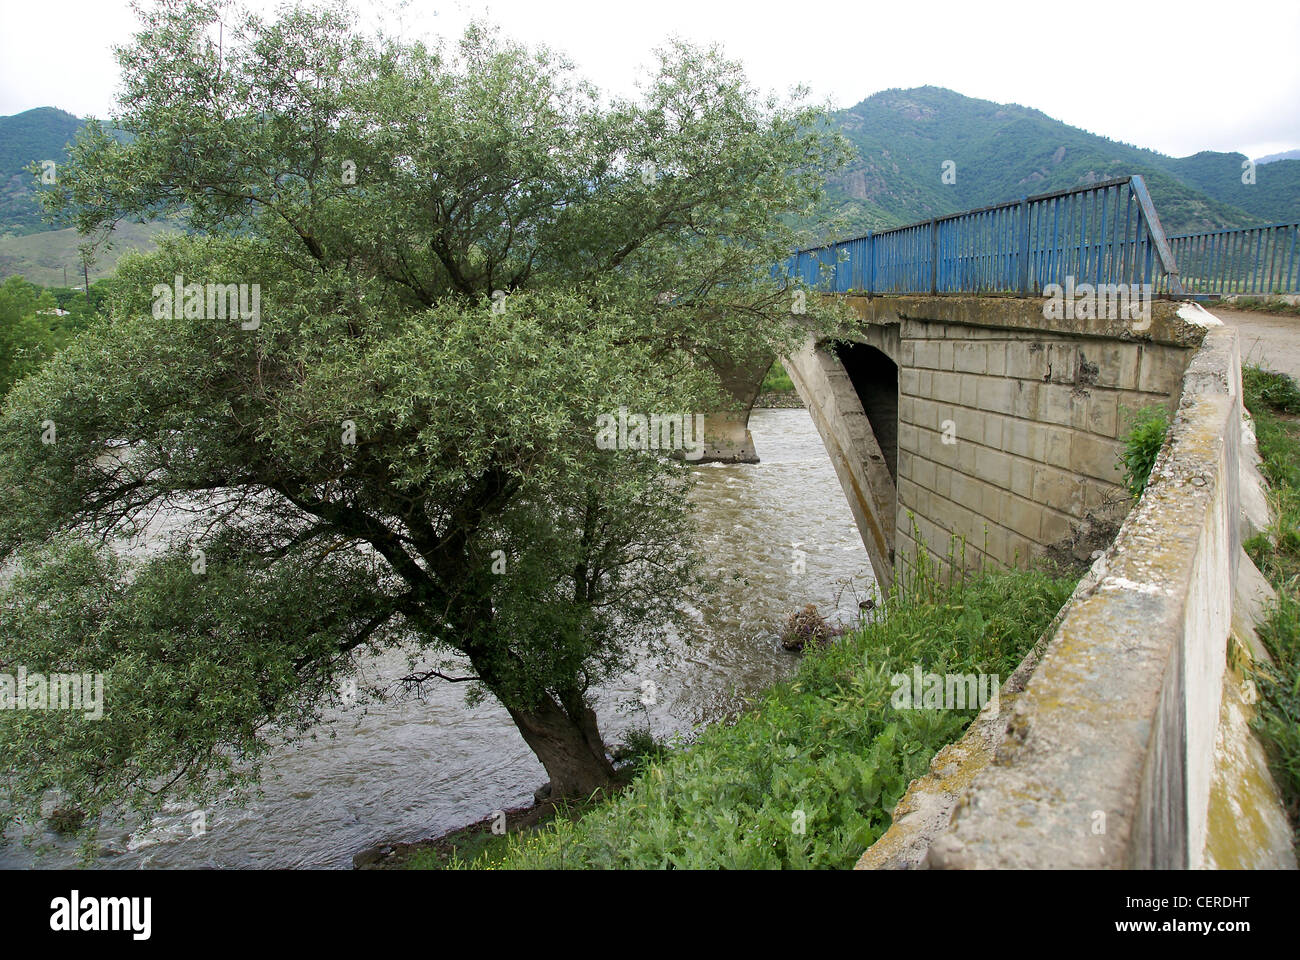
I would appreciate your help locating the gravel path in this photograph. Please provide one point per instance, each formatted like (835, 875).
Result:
(1271, 340)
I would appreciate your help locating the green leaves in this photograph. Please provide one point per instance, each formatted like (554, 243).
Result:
(1141, 446)
(193, 664)
(460, 263)
(826, 745)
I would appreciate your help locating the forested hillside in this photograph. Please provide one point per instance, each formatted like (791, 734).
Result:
(25, 138)
(998, 152)
(1002, 152)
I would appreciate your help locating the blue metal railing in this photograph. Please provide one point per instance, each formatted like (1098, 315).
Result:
(1100, 234)
(1259, 260)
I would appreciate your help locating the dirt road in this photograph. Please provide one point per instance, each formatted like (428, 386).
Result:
(1271, 340)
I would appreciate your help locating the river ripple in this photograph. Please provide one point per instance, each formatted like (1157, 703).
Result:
(404, 771)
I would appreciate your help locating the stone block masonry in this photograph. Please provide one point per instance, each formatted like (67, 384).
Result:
(1009, 437)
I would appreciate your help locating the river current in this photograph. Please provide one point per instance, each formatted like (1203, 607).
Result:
(779, 532)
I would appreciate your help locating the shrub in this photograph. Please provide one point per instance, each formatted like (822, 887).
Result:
(1270, 397)
(1142, 444)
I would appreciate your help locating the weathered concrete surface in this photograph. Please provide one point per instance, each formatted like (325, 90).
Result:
(1009, 424)
(925, 810)
(1109, 755)
(726, 432)
(1024, 314)
(727, 438)
(1254, 491)
(1246, 824)
(826, 390)
(1128, 744)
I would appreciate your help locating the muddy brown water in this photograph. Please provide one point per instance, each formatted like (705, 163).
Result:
(403, 771)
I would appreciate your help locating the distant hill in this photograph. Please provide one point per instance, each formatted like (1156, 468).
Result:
(1002, 152)
(51, 258)
(30, 247)
(25, 138)
(1273, 197)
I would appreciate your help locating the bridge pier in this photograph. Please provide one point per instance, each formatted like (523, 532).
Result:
(726, 432)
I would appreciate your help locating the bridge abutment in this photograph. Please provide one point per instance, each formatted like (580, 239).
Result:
(991, 425)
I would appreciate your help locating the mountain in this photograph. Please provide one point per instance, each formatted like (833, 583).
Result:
(25, 138)
(30, 247)
(1274, 197)
(999, 152)
(1002, 152)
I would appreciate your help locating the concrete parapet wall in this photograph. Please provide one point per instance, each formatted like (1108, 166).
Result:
(1108, 755)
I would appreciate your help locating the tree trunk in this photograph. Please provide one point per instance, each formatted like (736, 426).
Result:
(569, 747)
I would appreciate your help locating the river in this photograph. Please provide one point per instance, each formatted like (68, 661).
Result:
(409, 770)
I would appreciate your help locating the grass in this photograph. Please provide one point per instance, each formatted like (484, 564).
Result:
(43, 257)
(810, 774)
(777, 380)
(1264, 305)
(480, 844)
(1274, 403)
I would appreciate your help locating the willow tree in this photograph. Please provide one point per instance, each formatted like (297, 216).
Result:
(454, 259)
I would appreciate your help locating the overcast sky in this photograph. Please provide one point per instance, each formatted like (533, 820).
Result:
(1176, 77)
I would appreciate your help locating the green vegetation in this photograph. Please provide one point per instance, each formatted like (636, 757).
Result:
(459, 255)
(1278, 718)
(1142, 443)
(825, 751)
(777, 380)
(53, 257)
(30, 246)
(1274, 403)
(33, 136)
(1264, 305)
(481, 845)
(36, 323)
(1002, 152)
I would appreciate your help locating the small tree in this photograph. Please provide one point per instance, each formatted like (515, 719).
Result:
(454, 261)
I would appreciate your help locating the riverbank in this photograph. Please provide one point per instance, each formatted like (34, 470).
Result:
(779, 400)
(478, 841)
(809, 775)
(487, 840)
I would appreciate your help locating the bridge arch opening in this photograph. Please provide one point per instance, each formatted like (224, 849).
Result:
(875, 380)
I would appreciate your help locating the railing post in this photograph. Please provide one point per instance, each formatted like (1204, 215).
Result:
(871, 263)
(934, 256)
(1024, 247)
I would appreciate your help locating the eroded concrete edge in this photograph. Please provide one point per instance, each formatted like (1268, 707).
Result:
(1109, 752)
(925, 809)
